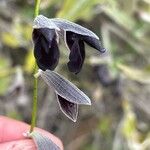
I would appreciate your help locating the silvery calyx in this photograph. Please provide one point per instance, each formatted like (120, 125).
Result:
(46, 35)
(68, 95)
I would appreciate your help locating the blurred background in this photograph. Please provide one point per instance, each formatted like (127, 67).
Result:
(118, 82)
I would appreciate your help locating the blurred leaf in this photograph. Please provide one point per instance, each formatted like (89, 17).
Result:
(129, 122)
(27, 32)
(4, 63)
(10, 40)
(104, 125)
(29, 62)
(119, 16)
(73, 9)
(19, 35)
(141, 76)
(4, 84)
(45, 3)
(4, 78)
(15, 115)
(146, 142)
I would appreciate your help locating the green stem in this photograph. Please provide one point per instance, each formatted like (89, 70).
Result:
(35, 89)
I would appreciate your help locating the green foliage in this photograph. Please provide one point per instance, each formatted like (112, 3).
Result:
(10, 40)
(129, 122)
(29, 62)
(83, 9)
(14, 115)
(4, 75)
(19, 36)
(142, 76)
(104, 126)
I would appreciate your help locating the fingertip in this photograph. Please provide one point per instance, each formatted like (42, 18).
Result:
(27, 144)
(12, 130)
(20, 144)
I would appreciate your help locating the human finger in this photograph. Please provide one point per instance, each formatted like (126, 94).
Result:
(12, 130)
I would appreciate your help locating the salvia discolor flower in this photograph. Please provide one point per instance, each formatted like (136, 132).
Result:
(68, 95)
(46, 35)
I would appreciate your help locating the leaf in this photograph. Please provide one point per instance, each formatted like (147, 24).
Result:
(68, 108)
(4, 84)
(43, 142)
(129, 120)
(29, 62)
(64, 88)
(5, 77)
(10, 40)
(26, 32)
(135, 74)
(82, 9)
(120, 16)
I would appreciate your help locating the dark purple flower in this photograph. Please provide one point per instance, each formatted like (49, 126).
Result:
(46, 34)
(46, 49)
(75, 43)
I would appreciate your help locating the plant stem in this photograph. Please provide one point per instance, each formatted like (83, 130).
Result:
(37, 7)
(35, 89)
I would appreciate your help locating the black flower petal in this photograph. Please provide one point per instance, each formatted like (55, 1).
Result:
(75, 43)
(68, 108)
(49, 34)
(76, 56)
(93, 42)
(46, 49)
(77, 52)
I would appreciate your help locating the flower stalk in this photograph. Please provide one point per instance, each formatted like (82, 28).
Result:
(34, 107)
(37, 8)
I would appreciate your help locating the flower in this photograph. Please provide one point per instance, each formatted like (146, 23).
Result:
(68, 95)
(46, 49)
(46, 36)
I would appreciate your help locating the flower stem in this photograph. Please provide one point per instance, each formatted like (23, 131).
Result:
(37, 7)
(35, 89)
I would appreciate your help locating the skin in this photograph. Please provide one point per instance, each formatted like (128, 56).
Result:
(12, 138)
